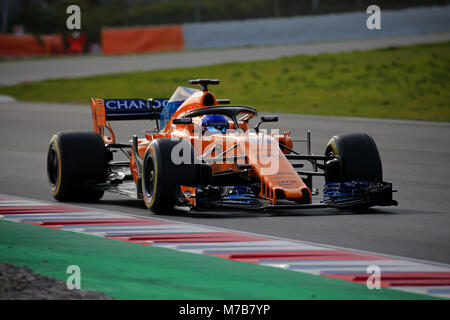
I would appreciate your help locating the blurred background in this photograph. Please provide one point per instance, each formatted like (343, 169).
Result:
(39, 17)
(400, 71)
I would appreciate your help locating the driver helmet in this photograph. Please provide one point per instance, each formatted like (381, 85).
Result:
(215, 123)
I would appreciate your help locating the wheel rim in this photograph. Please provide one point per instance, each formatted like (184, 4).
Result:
(149, 177)
(53, 167)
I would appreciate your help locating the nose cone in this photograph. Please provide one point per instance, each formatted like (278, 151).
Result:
(279, 180)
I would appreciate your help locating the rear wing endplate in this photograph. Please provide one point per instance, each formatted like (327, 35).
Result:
(123, 109)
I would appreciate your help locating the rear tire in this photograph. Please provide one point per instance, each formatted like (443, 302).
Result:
(353, 157)
(75, 160)
(161, 176)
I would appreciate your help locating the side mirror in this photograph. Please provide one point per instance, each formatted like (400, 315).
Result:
(223, 101)
(266, 119)
(269, 119)
(182, 121)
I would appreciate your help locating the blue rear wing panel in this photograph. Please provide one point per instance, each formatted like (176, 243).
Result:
(134, 109)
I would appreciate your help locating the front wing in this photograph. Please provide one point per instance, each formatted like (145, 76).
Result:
(350, 195)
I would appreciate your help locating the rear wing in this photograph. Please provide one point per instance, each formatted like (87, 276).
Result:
(123, 109)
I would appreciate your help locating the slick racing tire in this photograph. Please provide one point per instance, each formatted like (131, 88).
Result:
(163, 171)
(75, 161)
(352, 157)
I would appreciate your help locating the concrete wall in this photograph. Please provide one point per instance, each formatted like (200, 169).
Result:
(333, 27)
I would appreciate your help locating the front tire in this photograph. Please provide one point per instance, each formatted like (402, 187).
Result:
(161, 174)
(76, 160)
(353, 157)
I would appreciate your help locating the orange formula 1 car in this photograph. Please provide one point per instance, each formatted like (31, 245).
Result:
(203, 154)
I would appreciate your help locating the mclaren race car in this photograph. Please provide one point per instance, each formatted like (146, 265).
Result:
(203, 154)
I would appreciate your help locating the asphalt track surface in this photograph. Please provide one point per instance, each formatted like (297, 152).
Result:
(12, 72)
(415, 158)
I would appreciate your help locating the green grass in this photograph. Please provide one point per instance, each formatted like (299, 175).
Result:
(398, 82)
